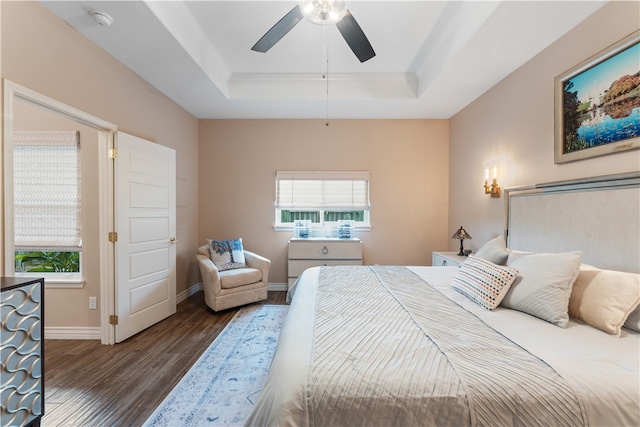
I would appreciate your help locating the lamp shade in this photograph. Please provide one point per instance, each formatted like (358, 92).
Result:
(461, 234)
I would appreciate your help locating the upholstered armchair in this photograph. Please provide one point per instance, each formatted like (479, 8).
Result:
(232, 288)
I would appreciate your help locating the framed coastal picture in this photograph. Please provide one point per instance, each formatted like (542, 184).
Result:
(597, 104)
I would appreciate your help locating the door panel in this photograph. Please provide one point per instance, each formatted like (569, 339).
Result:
(145, 223)
(148, 295)
(148, 196)
(149, 262)
(148, 229)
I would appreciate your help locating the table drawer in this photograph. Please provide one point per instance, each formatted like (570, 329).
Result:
(296, 267)
(439, 261)
(325, 250)
(447, 259)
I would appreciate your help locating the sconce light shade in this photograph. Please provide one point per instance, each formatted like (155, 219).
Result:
(461, 234)
(493, 188)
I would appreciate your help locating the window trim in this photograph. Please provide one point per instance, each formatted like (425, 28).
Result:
(61, 280)
(57, 280)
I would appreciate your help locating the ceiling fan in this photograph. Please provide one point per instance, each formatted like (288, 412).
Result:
(321, 12)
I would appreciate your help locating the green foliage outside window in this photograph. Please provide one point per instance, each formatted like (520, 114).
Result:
(47, 262)
(291, 216)
(332, 216)
(287, 216)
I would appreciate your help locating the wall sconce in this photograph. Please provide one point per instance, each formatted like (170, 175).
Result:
(493, 188)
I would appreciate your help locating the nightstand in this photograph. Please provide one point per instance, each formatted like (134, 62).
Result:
(447, 259)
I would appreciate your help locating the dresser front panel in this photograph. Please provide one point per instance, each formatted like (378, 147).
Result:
(22, 397)
(307, 253)
(296, 267)
(323, 249)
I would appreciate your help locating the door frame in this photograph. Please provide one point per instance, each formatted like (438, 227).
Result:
(106, 136)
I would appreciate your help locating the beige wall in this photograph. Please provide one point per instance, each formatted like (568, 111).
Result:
(43, 53)
(408, 161)
(514, 124)
(417, 198)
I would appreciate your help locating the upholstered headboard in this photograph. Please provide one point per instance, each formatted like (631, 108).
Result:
(599, 216)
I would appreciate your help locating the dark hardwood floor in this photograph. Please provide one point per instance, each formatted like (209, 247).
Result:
(90, 384)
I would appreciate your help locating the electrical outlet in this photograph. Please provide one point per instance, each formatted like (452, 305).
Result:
(93, 303)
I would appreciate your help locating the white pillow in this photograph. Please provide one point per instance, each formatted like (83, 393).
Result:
(483, 282)
(227, 254)
(633, 321)
(604, 298)
(543, 286)
(494, 251)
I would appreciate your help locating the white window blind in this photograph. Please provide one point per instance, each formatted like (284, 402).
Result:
(344, 190)
(47, 191)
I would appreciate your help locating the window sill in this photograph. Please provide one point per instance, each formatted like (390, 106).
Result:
(60, 282)
(290, 228)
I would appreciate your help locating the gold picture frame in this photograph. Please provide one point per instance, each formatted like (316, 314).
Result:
(597, 104)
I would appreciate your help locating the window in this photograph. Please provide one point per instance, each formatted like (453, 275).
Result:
(322, 197)
(47, 214)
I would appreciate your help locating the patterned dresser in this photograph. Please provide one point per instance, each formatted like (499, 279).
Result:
(21, 351)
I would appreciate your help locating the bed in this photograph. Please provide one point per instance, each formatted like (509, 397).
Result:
(401, 345)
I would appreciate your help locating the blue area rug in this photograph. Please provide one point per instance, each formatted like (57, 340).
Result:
(222, 386)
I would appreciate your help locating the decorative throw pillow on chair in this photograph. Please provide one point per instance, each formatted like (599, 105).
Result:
(227, 254)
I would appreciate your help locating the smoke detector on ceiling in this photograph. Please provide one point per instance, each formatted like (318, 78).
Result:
(102, 18)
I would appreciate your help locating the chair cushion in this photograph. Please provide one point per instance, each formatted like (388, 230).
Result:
(237, 277)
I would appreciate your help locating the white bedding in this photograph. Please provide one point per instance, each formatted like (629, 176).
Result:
(602, 370)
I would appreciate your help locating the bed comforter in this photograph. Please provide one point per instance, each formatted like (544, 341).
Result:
(380, 346)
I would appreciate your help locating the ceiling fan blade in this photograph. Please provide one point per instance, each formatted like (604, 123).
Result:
(355, 38)
(279, 30)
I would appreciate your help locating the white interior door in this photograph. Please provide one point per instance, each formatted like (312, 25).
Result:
(145, 220)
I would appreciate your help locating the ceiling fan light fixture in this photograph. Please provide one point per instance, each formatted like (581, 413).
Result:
(321, 12)
(324, 11)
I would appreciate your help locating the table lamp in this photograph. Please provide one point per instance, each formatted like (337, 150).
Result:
(461, 234)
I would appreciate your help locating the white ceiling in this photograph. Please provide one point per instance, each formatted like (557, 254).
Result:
(433, 58)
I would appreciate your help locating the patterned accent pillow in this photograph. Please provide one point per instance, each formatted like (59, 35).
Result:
(483, 282)
(544, 284)
(494, 251)
(227, 254)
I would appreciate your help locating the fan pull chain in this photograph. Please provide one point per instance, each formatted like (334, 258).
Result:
(327, 112)
(326, 73)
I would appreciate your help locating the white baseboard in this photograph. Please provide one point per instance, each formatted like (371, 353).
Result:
(86, 333)
(278, 287)
(71, 333)
(186, 294)
(198, 287)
